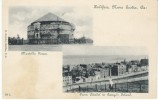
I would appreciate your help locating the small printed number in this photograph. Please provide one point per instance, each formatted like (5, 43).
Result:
(7, 94)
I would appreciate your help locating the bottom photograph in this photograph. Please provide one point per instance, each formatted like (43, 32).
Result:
(105, 69)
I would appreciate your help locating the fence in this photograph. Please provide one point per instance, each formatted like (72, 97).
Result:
(132, 87)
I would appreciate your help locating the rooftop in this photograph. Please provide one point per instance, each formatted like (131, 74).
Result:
(49, 17)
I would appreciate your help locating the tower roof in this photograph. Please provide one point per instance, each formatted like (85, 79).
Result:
(49, 17)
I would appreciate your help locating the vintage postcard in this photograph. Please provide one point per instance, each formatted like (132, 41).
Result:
(93, 49)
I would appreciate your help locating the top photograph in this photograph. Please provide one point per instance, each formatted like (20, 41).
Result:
(48, 28)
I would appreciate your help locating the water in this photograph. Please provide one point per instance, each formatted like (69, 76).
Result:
(89, 59)
(34, 47)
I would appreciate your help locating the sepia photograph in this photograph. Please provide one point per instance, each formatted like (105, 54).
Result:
(105, 69)
(48, 28)
(79, 49)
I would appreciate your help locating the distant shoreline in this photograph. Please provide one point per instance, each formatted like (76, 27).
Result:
(89, 59)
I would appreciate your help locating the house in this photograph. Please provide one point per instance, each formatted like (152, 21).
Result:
(105, 72)
(144, 62)
(67, 80)
(118, 69)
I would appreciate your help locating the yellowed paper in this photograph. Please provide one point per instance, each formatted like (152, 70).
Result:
(42, 38)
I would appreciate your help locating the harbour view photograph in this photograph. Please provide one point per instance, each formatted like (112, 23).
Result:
(105, 69)
(48, 28)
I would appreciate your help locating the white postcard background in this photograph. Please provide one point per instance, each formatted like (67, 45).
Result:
(41, 76)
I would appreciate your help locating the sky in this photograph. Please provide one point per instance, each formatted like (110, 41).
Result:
(103, 50)
(20, 17)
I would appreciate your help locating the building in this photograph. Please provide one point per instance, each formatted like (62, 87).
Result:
(121, 69)
(144, 62)
(118, 69)
(105, 72)
(67, 75)
(67, 80)
(50, 29)
(66, 70)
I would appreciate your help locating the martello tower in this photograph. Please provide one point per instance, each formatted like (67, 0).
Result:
(50, 29)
